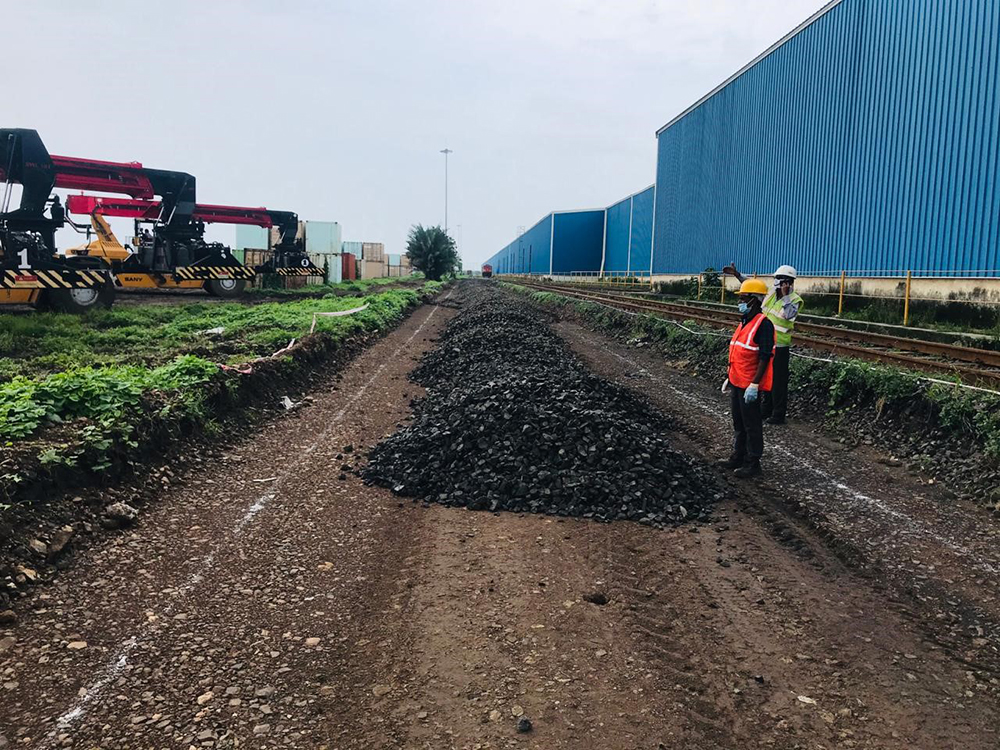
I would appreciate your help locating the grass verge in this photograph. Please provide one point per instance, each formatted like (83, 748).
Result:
(87, 394)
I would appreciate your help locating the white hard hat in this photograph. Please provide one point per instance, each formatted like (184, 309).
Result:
(786, 271)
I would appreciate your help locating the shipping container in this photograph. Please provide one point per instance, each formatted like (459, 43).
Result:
(371, 269)
(323, 237)
(334, 268)
(250, 237)
(394, 260)
(393, 271)
(348, 269)
(561, 243)
(867, 140)
(374, 251)
(354, 248)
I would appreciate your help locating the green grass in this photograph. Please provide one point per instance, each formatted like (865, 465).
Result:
(340, 288)
(107, 366)
(37, 344)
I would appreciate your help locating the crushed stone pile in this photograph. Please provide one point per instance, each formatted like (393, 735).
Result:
(514, 421)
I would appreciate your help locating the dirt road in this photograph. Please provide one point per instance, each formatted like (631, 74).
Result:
(272, 600)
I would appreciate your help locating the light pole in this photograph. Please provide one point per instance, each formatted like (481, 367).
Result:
(446, 151)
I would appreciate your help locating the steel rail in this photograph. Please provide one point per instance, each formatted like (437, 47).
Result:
(950, 351)
(683, 312)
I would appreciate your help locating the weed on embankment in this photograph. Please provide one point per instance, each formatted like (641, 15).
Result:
(86, 391)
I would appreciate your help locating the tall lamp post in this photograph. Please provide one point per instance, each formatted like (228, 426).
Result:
(446, 151)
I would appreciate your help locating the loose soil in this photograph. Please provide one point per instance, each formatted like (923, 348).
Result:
(270, 599)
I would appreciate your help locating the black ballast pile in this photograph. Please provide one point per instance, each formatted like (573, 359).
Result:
(514, 421)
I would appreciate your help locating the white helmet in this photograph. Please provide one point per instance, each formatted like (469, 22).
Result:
(786, 271)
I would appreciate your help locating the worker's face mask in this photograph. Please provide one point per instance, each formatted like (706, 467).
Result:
(743, 307)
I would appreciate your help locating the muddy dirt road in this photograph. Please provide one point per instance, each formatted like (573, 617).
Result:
(273, 600)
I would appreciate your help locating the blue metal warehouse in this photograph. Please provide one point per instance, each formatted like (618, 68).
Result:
(562, 242)
(628, 236)
(866, 140)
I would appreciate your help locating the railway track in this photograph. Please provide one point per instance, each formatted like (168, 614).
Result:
(977, 366)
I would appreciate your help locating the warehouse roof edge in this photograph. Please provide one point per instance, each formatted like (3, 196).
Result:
(750, 65)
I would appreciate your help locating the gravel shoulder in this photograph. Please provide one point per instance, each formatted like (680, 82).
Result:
(274, 600)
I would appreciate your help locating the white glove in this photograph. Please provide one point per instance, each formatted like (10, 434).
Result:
(750, 394)
(725, 385)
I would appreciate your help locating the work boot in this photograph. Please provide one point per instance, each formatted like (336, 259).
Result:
(775, 420)
(750, 469)
(733, 462)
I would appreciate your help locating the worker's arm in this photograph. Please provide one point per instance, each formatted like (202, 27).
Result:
(731, 270)
(789, 309)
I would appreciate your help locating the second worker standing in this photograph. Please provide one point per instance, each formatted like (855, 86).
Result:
(781, 306)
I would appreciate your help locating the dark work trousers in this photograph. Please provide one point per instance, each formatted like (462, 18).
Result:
(775, 402)
(748, 427)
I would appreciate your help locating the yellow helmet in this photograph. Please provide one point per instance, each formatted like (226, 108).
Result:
(753, 286)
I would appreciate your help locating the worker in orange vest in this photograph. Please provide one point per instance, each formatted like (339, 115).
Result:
(751, 371)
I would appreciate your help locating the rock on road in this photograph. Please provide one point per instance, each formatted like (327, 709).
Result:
(273, 600)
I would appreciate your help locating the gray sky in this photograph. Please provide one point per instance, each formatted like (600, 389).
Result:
(338, 110)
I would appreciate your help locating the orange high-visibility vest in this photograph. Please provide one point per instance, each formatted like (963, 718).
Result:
(744, 356)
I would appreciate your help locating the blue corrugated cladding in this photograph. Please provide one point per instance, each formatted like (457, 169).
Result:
(577, 241)
(578, 238)
(867, 142)
(642, 232)
(534, 247)
(616, 238)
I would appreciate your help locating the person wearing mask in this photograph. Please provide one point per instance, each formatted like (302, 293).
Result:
(781, 306)
(750, 375)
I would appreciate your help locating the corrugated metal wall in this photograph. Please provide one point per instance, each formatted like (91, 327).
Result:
(529, 252)
(616, 240)
(574, 243)
(577, 241)
(628, 234)
(867, 142)
(535, 247)
(642, 232)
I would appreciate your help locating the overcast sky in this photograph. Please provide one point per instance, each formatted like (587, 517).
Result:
(338, 110)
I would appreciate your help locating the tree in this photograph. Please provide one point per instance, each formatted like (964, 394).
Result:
(432, 251)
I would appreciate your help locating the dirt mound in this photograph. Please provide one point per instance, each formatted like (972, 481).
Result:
(513, 421)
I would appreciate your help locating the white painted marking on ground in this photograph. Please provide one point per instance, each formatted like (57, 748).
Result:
(120, 655)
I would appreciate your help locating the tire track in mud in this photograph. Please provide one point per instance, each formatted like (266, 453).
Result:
(777, 601)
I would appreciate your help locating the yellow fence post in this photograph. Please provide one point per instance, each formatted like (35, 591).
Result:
(699, 286)
(906, 301)
(840, 303)
(722, 294)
